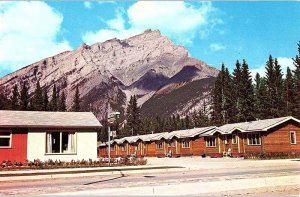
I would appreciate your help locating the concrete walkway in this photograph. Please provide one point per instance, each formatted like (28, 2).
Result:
(82, 172)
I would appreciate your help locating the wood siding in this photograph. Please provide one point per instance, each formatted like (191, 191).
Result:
(18, 150)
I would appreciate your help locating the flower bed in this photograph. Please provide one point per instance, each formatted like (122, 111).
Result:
(277, 155)
(50, 164)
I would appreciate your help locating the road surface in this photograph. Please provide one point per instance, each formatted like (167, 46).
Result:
(244, 181)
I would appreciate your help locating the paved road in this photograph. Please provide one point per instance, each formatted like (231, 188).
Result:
(123, 180)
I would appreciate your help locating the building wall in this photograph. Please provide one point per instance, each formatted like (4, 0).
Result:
(18, 150)
(86, 147)
(217, 150)
(198, 146)
(253, 148)
(102, 151)
(151, 149)
(278, 139)
(184, 151)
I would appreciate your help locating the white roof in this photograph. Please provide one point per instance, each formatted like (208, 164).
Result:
(42, 119)
(259, 125)
(186, 133)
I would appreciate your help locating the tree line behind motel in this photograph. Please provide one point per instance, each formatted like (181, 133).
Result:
(236, 97)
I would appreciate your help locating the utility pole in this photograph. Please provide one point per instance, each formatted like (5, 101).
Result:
(111, 118)
(108, 144)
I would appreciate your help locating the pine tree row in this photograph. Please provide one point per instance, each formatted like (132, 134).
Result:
(236, 98)
(38, 101)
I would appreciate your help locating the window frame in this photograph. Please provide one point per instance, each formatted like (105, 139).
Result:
(207, 142)
(112, 147)
(158, 147)
(172, 143)
(60, 131)
(183, 144)
(123, 147)
(294, 132)
(251, 134)
(234, 139)
(6, 136)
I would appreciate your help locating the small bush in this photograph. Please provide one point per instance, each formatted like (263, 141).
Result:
(50, 164)
(275, 155)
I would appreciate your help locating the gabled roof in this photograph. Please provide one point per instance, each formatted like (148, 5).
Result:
(186, 133)
(259, 125)
(41, 119)
(133, 139)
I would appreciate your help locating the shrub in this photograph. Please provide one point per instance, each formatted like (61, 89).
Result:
(50, 164)
(275, 155)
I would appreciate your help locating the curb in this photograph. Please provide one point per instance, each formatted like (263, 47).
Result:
(82, 173)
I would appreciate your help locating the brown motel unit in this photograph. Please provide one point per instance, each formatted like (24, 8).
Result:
(278, 135)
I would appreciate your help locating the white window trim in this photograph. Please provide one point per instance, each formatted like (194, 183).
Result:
(249, 140)
(112, 147)
(234, 136)
(291, 137)
(159, 147)
(123, 147)
(60, 151)
(225, 139)
(6, 136)
(207, 145)
(186, 141)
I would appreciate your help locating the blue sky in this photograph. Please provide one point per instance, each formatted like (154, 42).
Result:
(213, 32)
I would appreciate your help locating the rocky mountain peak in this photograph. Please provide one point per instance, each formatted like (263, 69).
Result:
(113, 70)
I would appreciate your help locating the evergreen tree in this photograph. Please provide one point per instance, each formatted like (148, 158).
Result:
(38, 98)
(62, 102)
(24, 97)
(238, 91)
(3, 102)
(289, 93)
(133, 116)
(297, 83)
(45, 100)
(31, 105)
(279, 90)
(217, 94)
(261, 97)
(270, 87)
(247, 94)
(14, 99)
(76, 101)
(53, 102)
(187, 122)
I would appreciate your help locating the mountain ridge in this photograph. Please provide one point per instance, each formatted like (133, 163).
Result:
(112, 71)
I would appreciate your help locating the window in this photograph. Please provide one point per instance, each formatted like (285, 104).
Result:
(254, 139)
(159, 145)
(136, 147)
(60, 142)
(112, 147)
(293, 137)
(123, 148)
(5, 139)
(210, 142)
(225, 139)
(185, 144)
(172, 143)
(234, 139)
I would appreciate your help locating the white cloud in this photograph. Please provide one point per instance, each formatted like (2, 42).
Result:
(178, 20)
(284, 62)
(104, 1)
(87, 4)
(28, 33)
(217, 47)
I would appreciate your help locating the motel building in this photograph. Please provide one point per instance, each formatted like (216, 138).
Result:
(278, 135)
(65, 136)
